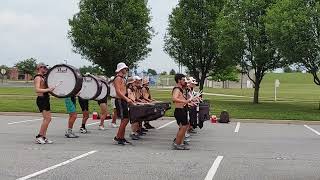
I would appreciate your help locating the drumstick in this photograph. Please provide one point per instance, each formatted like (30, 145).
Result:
(58, 84)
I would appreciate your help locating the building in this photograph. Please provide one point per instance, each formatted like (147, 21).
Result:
(15, 74)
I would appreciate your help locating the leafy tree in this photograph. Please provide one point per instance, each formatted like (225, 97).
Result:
(294, 26)
(95, 70)
(172, 72)
(288, 69)
(230, 73)
(108, 32)
(27, 66)
(191, 38)
(243, 36)
(152, 72)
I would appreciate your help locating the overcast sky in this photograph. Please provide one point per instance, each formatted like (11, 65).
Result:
(38, 28)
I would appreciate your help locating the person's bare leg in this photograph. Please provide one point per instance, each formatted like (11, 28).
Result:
(114, 116)
(122, 128)
(135, 127)
(104, 113)
(45, 123)
(181, 134)
(85, 117)
(72, 119)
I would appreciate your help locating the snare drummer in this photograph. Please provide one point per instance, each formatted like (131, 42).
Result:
(43, 102)
(180, 112)
(70, 103)
(193, 105)
(145, 91)
(121, 102)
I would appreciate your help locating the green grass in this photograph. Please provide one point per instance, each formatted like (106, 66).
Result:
(298, 100)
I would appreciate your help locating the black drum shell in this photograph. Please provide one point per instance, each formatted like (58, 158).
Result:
(78, 78)
(108, 90)
(99, 86)
(166, 105)
(144, 112)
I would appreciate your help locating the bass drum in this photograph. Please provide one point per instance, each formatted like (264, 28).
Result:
(91, 87)
(66, 80)
(105, 91)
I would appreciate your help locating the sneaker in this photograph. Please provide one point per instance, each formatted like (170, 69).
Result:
(141, 133)
(113, 125)
(47, 140)
(184, 142)
(83, 130)
(40, 140)
(101, 128)
(144, 130)
(192, 131)
(126, 142)
(187, 139)
(118, 141)
(134, 137)
(187, 135)
(70, 134)
(179, 147)
(148, 126)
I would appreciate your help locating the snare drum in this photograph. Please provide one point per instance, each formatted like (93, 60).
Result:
(91, 87)
(66, 80)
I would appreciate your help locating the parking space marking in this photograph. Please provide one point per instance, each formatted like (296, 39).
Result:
(96, 123)
(167, 124)
(313, 130)
(214, 168)
(18, 122)
(237, 127)
(56, 166)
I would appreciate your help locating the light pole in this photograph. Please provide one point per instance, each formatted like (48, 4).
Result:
(66, 61)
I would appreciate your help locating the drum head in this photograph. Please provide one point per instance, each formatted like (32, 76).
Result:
(66, 79)
(91, 87)
(104, 91)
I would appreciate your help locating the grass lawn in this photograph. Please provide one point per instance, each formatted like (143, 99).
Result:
(298, 99)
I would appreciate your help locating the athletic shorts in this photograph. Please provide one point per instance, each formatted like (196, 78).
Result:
(113, 103)
(122, 108)
(84, 104)
(70, 105)
(181, 115)
(43, 103)
(102, 101)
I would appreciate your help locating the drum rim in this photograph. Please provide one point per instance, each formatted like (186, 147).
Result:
(108, 90)
(75, 89)
(99, 85)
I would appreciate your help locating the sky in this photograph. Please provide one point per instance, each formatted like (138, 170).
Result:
(38, 29)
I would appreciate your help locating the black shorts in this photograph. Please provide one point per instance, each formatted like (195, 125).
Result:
(43, 103)
(181, 115)
(122, 108)
(84, 104)
(102, 101)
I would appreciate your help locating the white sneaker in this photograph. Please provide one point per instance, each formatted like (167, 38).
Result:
(40, 140)
(113, 125)
(47, 141)
(101, 128)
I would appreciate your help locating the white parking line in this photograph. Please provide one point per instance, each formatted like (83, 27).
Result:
(237, 127)
(214, 168)
(96, 123)
(318, 133)
(18, 122)
(166, 125)
(55, 166)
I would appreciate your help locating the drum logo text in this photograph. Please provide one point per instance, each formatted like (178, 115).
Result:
(62, 70)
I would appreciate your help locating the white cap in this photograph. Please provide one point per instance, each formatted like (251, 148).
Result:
(192, 80)
(137, 78)
(121, 66)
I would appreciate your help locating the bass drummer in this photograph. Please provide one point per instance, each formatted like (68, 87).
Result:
(43, 102)
(103, 110)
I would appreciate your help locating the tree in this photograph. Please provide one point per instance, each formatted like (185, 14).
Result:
(108, 32)
(288, 69)
(172, 72)
(294, 26)
(27, 66)
(191, 36)
(152, 72)
(243, 36)
(230, 73)
(95, 70)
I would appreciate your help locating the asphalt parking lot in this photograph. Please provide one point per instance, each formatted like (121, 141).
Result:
(235, 151)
